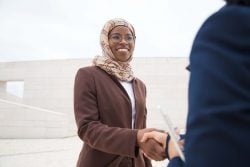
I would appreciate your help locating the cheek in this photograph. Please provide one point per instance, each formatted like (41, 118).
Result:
(132, 47)
(112, 47)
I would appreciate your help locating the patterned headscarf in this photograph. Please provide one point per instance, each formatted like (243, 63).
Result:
(107, 61)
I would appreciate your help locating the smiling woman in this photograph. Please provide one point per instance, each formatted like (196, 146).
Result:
(110, 104)
(117, 41)
(121, 43)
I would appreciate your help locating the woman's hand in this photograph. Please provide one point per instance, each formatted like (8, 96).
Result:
(160, 137)
(151, 148)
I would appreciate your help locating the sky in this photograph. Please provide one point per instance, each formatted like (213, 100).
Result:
(65, 29)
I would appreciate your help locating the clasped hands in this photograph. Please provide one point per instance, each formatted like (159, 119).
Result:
(152, 143)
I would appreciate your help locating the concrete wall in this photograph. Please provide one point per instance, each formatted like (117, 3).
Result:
(48, 85)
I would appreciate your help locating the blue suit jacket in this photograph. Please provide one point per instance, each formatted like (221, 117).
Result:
(218, 125)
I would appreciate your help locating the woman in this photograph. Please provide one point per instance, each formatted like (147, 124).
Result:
(110, 104)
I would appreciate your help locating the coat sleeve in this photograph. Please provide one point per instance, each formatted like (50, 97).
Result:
(91, 130)
(146, 111)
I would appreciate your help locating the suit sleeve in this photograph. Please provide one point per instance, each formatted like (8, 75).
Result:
(175, 162)
(91, 130)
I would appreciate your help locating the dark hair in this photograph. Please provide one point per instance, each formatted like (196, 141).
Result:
(240, 2)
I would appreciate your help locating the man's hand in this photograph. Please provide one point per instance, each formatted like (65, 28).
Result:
(172, 152)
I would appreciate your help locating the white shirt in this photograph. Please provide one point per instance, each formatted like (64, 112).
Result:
(129, 89)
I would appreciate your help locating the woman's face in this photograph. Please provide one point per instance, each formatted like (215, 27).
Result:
(122, 43)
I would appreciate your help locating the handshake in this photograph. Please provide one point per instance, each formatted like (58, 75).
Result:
(157, 145)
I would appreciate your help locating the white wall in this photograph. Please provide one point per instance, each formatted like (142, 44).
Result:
(49, 85)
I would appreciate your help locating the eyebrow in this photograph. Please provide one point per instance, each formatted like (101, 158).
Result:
(119, 34)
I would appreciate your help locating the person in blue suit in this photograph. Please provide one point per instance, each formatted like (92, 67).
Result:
(218, 123)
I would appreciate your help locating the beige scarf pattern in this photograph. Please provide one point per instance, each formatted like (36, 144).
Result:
(107, 62)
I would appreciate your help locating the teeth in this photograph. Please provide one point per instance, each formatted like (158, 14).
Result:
(123, 50)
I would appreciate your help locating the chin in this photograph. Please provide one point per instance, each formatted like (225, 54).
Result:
(123, 58)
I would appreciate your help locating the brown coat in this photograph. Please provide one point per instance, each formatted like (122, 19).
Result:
(104, 117)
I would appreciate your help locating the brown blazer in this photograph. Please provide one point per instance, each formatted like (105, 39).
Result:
(104, 117)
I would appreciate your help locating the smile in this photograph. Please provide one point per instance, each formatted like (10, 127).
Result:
(122, 49)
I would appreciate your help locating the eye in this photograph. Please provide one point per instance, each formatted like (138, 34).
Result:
(115, 37)
(129, 38)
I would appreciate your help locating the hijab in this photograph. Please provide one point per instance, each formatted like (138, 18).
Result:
(108, 62)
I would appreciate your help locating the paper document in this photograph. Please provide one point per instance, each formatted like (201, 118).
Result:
(174, 137)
